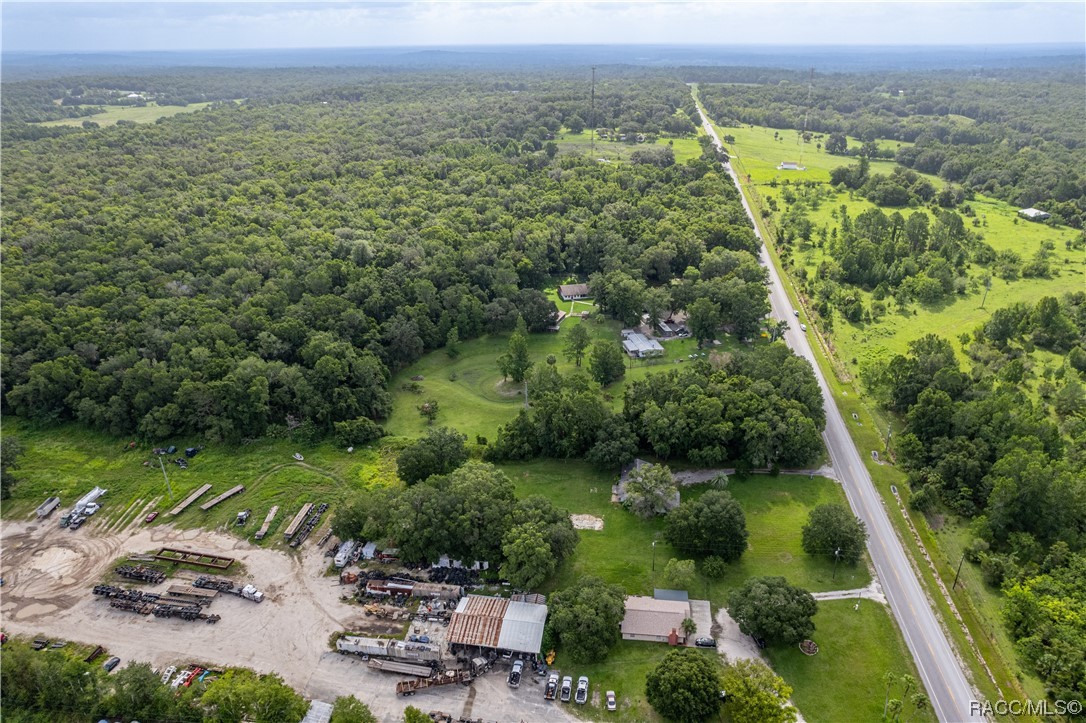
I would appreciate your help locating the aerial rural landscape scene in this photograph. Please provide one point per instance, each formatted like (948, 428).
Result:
(540, 362)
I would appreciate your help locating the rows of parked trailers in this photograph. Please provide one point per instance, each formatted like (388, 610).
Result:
(144, 603)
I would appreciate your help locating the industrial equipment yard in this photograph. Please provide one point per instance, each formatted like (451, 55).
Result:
(49, 574)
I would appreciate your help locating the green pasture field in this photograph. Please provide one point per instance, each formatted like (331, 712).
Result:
(756, 154)
(684, 148)
(69, 460)
(999, 226)
(890, 335)
(113, 113)
(837, 684)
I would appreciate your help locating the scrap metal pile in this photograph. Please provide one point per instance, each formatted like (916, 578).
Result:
(142, 573)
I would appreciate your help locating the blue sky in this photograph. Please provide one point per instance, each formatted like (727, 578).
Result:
(43, 25)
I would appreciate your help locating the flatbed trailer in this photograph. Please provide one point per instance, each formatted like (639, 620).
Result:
(397, 666)
(200, 597)
(196, 494)
(191, 557)
(224, 496)
(297, 521)
(267, 522)
(410, 687)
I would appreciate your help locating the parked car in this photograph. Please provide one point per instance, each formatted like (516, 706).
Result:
(150, 518)
(112, 663)
(705, 643)
(581, 696)
(567, 689)
(551, 689)
(612, 702)
(515, 673)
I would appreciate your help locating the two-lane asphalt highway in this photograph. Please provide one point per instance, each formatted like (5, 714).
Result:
(951, 695)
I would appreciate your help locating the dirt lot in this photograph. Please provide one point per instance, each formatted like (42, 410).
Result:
(49, 571)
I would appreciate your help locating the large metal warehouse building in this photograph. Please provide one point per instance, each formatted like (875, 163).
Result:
(485, 624)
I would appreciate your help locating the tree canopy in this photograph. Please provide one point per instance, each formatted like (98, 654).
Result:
(439, 452)
(772, 609)
(832, 530)
(755, 694)
(685, 686)
(650, 490)
(585, 618)
(713, 524)
(183, 291)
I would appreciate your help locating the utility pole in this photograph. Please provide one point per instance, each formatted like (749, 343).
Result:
(163, 466)
(592, 112)
(806, 114)
(959, 572)
(836, 555)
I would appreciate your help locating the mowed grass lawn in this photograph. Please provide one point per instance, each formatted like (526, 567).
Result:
(472, 396)
(844, 681)
(113, 113)
(622, 553)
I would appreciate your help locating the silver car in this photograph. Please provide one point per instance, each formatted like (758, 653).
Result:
(581, 696)
(567, 689)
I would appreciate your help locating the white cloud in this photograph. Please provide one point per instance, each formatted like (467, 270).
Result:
(186, 25)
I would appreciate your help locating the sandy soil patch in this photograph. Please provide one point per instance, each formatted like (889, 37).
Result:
(586, 522)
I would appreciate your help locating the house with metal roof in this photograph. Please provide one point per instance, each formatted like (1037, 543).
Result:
(1034, 214)
(639, 346)
(570, 292)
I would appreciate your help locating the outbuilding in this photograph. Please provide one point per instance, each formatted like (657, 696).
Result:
(494, 625)
(1034, 214)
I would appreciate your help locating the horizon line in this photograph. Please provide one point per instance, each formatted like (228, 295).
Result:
(88, 51)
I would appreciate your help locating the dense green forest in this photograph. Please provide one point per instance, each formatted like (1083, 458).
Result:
(978, 445)
(1012, 134)
(264, 264)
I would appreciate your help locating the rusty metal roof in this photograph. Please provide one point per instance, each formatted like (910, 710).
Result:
(478, 621)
